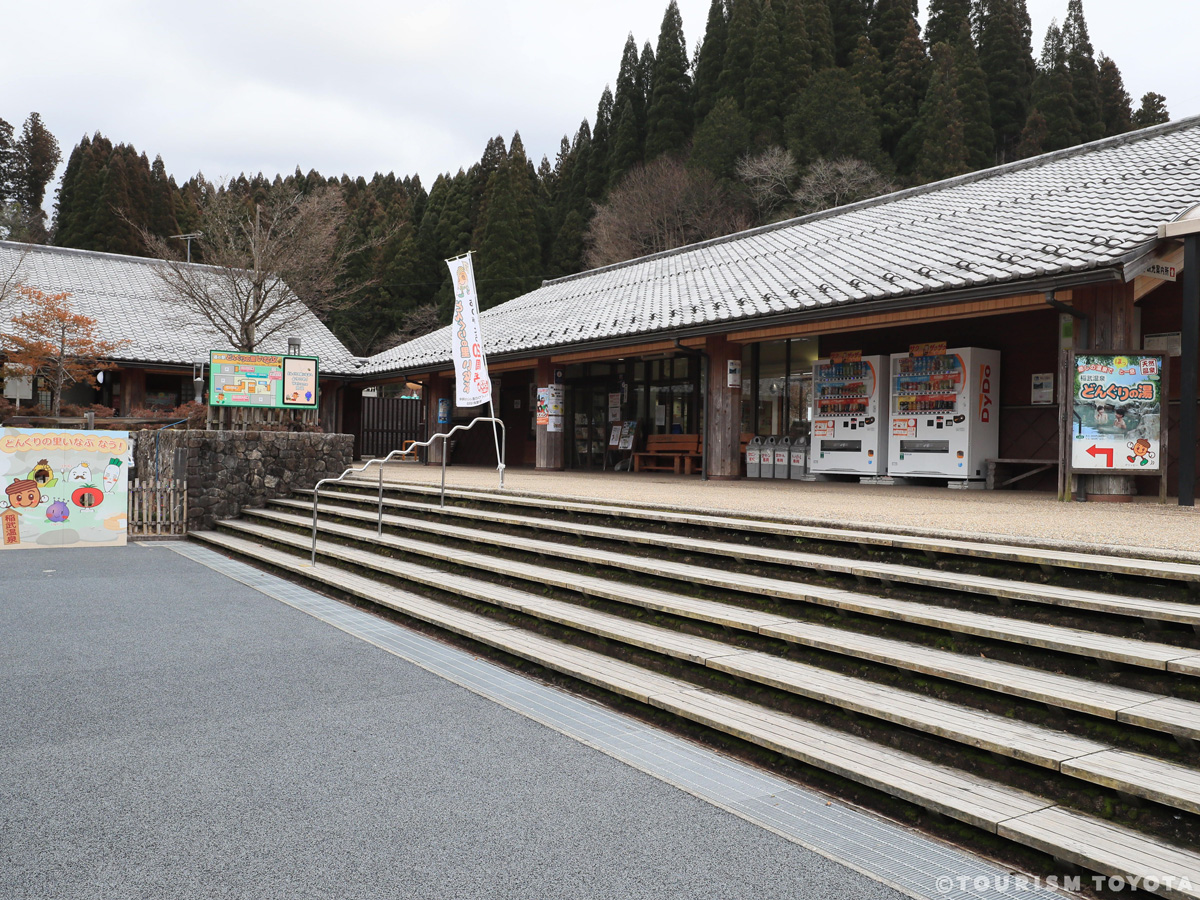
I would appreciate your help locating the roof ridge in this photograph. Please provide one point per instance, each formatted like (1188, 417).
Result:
(1032, 162)
(102, 254)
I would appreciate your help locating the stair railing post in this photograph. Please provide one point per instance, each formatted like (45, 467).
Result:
(445, 453)
(316, 500)
(503, 448)
(379, 529)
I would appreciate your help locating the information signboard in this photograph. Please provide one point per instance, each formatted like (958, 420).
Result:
(262, 380)
(1116, 413)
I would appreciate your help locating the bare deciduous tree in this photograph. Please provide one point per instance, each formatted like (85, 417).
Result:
(660, 206)
(829, 183)
(266, 264)
(769, 177)
(416, 322)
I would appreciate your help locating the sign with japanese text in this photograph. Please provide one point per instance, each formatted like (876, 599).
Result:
(1116, 415)
(937, 348)
(472, 387)
(63, 488)
(262, 380)
(845, 356)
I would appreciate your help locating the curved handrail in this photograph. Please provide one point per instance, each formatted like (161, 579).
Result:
(410, 447)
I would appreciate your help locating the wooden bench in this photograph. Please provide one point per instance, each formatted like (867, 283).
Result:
(677, 453)
(1038, 466)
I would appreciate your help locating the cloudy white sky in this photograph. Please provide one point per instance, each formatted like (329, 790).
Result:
(360, 86)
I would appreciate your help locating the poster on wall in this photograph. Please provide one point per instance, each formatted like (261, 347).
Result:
(63, 488)
(543, 406)
(1116, 413)
(262, 380)
(299, 382)
(554, 407)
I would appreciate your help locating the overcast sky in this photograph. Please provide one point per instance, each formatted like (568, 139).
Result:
(360, 86)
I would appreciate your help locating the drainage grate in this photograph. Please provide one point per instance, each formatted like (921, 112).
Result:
(908, 861)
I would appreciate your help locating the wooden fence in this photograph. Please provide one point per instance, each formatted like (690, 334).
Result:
(388, 422)
(157, 508)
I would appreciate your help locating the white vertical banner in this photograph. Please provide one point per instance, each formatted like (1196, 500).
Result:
(473, 387)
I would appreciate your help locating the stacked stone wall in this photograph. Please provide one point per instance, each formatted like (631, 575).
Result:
(227, 471)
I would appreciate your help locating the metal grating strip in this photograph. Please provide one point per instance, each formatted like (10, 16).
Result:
(910, 862)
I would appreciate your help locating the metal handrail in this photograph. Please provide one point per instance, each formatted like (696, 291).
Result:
(407, 451)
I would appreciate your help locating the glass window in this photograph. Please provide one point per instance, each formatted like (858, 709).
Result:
(772, 375)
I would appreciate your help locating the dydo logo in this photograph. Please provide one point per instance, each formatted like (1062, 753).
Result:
(985, 393)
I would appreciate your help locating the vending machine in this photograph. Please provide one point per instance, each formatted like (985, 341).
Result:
(945, 413)
(849, 420)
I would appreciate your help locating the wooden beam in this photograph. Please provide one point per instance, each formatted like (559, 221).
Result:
(582, 356)
(1145, 284)
(1019, 303)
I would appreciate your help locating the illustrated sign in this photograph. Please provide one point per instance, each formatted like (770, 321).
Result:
(937, 348)
(63, 488)
(628, 430)
(471, 383)
(262, 380)
(845, 356)
(823, 428)
(733, 374)
(543, 406)
(299, 382)
(904, 427)
(1117, 413)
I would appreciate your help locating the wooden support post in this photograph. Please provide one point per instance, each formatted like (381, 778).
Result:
(549, 444)
(438, 388)
(1190, 339)
(724, 427)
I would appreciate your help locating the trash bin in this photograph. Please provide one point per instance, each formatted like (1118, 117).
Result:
(754, 458)
(798, 465)
(767, 458)
(783, 450)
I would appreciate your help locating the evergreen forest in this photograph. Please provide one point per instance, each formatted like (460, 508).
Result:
(785, 107)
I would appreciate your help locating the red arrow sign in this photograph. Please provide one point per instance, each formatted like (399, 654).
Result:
(1095, 451)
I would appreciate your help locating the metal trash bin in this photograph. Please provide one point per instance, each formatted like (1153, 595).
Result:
(754, 451)
(767, 457)
(798, 465)
(783, 450)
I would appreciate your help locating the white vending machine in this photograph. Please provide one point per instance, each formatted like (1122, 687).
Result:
(849, 419)
(945, 414)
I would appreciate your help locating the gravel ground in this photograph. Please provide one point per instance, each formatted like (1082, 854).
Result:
(1021, 516)
(169, 733)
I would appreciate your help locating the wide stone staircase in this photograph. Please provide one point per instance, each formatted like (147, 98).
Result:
(1041, 705)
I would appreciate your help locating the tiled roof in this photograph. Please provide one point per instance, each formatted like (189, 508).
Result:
(126, 298)
(1087, 208)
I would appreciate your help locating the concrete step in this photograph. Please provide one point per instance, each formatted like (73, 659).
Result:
(998, 734)
(1138, 562)
(1154, 711)
(1018, 815)
(1147, 654)
(1117, 604)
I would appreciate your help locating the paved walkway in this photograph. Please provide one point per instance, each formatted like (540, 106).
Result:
(170, 733)
(1030, 517)
(174, 725)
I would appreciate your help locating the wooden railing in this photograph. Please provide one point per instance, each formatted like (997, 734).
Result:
(157, 508)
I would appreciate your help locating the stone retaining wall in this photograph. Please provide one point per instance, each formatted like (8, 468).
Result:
(228, 470)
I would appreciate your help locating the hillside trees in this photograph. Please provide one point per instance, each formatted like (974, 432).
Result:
(853, 90)
(27, 164)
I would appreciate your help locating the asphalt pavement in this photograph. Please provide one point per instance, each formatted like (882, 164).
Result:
(167, 732)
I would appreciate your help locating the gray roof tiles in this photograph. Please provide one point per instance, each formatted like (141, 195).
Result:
(127, 300)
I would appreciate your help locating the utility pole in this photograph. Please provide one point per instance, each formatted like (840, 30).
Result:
(189, 238)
